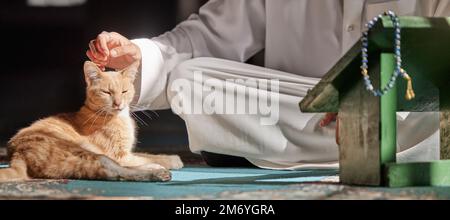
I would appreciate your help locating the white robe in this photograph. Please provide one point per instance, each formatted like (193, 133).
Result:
(302, 39)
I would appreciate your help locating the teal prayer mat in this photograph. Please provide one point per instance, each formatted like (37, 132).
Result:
(190, 182)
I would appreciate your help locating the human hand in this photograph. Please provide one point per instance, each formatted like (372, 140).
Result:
(327, 119)
(113, 50)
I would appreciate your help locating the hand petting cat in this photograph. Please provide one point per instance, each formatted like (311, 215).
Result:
(113, 50)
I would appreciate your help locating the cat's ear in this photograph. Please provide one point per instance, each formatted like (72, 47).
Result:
(91, 72)
(131, 71)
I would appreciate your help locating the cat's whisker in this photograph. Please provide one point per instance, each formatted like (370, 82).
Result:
(92, 116)
(156, 113)
(93, 121)
(98, 115)
(105, 117)
(147, 115)
(139, 108)
(138, 119)
(142, 120)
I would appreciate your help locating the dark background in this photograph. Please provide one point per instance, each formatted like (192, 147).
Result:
(43, 50)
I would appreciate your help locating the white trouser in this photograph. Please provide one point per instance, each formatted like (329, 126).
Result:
(295, 140)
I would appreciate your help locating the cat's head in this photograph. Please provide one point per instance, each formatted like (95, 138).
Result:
(110, 91)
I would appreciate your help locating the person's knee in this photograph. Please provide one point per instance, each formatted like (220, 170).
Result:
(184, 73)
(186, 69)
(180, 78)
(180, 83)
(183, 78)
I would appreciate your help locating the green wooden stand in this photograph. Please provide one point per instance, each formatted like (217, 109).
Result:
(367, 154)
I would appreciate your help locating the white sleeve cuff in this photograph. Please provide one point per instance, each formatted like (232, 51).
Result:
(150, 83)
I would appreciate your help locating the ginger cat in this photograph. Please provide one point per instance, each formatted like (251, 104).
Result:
(94, 143)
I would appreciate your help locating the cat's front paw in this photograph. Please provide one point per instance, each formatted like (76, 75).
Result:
(173, 162)
(163, 175)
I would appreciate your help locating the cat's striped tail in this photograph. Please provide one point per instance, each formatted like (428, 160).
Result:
(16, 172)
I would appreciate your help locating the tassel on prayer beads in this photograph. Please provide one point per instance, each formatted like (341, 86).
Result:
(398, 70)
(409, 88)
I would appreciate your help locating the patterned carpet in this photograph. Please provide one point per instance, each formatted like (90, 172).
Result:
(212, 183)
(197, 181)
(192, 182)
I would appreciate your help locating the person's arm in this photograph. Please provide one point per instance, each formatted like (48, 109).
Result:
(233, 30)
(434, 8)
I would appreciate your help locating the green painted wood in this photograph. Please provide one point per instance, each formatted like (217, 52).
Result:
(359, 129)
(388, 109)
(424, 58)
(426, 52)
(435, 173)
(444, 133)
(368, 132)
(425, 55)
(324, 97)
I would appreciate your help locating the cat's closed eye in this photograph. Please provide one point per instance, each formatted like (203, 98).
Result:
(124, 91)
(106, 92)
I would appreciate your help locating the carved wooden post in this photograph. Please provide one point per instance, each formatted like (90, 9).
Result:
(368, 128)
(444, 133)
(359, 152)
(368, 123)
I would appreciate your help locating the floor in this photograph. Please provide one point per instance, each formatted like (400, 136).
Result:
(198, 181)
